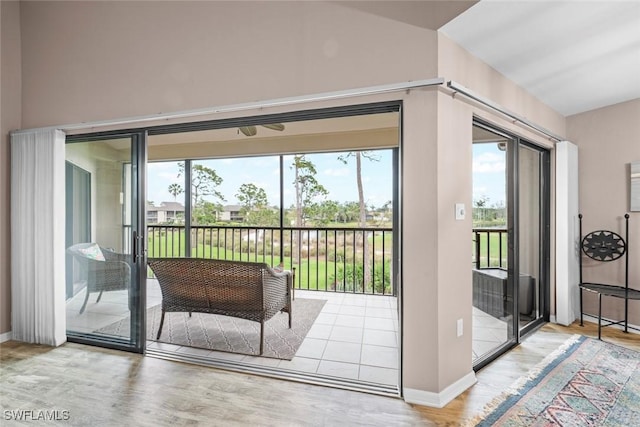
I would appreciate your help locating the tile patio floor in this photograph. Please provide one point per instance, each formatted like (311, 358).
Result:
(355, 337)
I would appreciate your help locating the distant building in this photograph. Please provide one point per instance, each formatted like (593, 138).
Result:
(231, 213)
(166, 213)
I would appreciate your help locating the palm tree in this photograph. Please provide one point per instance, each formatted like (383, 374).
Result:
(174, 190)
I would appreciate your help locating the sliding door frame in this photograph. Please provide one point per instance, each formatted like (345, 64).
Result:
(515, 333)
(143, 133)
(137, 294)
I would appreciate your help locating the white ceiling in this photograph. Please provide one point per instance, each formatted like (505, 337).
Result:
(574, 56)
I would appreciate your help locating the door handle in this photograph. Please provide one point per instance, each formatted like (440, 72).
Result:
(134, 252)
(138, 242)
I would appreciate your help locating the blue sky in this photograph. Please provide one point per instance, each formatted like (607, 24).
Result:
(489, 166)
(339, 179)
(489, 173)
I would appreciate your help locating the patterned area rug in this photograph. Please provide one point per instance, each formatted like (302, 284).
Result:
(585, 382)
(229, 334)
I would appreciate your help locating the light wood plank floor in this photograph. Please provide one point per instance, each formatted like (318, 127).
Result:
(106, 388)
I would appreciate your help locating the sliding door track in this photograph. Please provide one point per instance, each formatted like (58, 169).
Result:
(278, 373)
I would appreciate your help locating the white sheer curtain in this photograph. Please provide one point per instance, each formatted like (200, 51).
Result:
(37, 236)
(567, 234)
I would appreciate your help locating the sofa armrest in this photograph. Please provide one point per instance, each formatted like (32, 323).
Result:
(278, 272)
(277, 282)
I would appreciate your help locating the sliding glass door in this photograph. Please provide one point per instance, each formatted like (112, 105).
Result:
(105, 240)
(511, 240)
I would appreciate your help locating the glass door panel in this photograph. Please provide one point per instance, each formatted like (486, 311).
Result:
(493, 292)
(510, 241)
(103, 301)
(531, 228)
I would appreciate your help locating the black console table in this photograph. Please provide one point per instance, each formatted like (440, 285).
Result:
(607, 246)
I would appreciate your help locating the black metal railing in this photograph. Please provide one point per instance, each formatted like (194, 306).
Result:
(490, 248)
(356, 260)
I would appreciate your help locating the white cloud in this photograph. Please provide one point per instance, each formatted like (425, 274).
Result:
(377, 200)
(155, 166)
(489, 163)
(171, 177)
(265, 185)
(479, 191)
(337, 172)
(273, 197)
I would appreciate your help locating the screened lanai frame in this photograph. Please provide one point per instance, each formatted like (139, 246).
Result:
(299, 116)
(275, 241)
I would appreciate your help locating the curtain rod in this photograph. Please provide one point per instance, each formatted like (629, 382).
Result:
(325, 96)
(470, 94)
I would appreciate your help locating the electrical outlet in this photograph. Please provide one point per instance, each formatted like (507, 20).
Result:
(459, 327)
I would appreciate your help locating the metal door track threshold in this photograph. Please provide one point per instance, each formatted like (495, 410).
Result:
(278, 373)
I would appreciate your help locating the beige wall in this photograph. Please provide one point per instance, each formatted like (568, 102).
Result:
(122, 59)
(420, 243)
(10, 114)
(454, 238)
(455, 63)
(454, 185)
(608, 140)
(140, 58)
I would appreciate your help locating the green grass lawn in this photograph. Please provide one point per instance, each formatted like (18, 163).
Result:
(493, 251)
(315, 273)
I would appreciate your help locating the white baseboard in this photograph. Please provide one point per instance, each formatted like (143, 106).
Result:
(633, 329)
(439, 400)
(7, 336)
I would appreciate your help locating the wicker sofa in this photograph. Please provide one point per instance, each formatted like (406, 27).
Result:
(102, 268)
(247, 290)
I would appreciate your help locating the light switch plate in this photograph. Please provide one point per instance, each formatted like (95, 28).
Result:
(460, 211)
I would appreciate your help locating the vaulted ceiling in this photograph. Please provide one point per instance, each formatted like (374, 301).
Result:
(573, 55)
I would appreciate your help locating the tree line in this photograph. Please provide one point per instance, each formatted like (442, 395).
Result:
(311, 207)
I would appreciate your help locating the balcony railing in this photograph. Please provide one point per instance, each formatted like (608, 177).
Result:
(355, 260)
(490, 248)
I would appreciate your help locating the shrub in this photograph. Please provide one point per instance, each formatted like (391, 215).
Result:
(350, 278)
